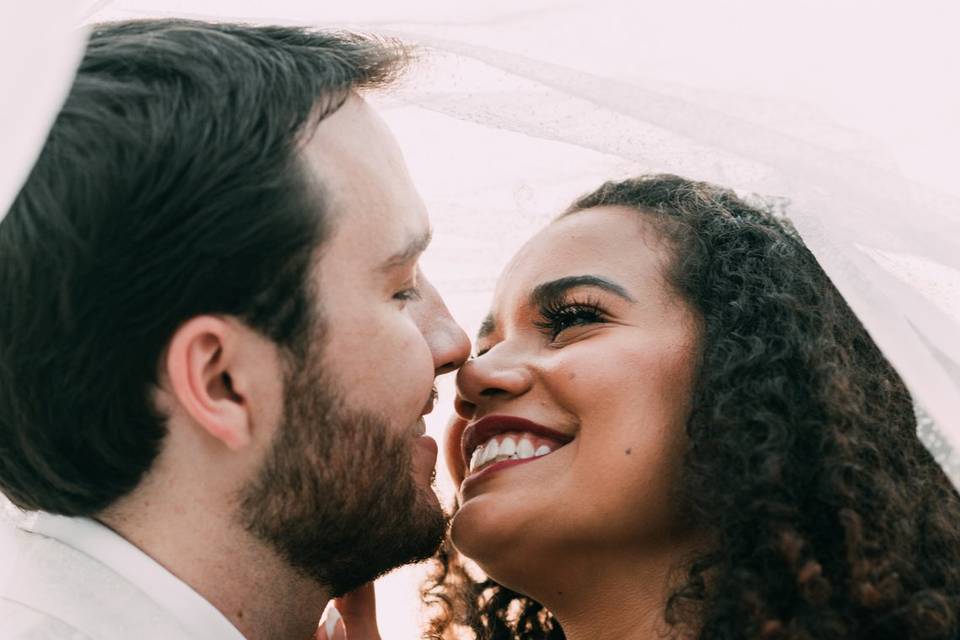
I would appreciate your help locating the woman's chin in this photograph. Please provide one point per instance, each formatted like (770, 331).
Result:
(499, 539)
(480, 529)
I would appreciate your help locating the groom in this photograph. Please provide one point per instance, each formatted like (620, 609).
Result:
(216, 347)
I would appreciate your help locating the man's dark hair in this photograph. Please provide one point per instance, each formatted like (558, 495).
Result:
(170, 186)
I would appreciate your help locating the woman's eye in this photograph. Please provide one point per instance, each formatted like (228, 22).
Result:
(560, 317)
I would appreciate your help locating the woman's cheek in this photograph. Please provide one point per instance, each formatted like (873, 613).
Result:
(452, 449)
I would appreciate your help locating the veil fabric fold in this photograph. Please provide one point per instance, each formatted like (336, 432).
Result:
(40, 47)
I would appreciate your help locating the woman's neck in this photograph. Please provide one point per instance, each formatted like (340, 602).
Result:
(617, 596)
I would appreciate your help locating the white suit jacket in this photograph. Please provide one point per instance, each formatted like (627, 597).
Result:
(75, 579)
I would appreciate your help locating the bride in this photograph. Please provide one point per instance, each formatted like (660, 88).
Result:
(674, 426)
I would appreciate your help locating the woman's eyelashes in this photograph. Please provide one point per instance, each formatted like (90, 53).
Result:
(560, 315)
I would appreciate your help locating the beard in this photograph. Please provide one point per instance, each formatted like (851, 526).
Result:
(336, 497)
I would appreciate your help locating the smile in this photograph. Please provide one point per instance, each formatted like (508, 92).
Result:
(501, 439)
(512, 446)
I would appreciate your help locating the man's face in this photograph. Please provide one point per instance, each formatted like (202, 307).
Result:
(345, 494)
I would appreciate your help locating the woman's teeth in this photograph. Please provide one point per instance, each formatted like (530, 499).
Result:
(511, 447)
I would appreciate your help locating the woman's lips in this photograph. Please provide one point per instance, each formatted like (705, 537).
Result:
(483, 430)
(528, 442)
(512, 445)
(472, 479)
(478, 477)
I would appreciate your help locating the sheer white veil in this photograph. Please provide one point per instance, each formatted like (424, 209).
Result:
(844, 116)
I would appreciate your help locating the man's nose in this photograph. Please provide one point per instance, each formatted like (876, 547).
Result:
(449, 344)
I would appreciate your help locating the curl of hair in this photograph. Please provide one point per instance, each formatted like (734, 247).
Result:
(829, 518)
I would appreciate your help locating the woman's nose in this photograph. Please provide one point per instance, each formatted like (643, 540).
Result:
(494, 376)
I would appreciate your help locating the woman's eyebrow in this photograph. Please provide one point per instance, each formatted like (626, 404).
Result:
(488, 326)
(547, 292)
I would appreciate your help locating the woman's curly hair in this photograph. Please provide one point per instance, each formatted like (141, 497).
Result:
(829, 518)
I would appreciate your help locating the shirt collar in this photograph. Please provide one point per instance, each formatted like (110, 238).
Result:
(189, 608)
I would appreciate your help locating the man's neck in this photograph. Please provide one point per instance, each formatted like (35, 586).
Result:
(245, 580)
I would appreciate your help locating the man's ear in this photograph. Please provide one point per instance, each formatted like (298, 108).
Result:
(202, 362)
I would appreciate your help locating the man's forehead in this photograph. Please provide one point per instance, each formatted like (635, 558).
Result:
(385, 241)
(377, 214)
(354, 115)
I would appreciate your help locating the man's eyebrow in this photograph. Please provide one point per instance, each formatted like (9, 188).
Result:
(547, 292)
(417, 245)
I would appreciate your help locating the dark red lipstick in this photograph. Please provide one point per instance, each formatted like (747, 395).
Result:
(482, 430)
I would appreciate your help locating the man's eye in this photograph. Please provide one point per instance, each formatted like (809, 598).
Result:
(560, 316)
(406, 295)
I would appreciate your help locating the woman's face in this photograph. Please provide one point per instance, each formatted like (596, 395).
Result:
(583, 380)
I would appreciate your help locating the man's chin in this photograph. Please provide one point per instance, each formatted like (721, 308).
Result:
(428, 498)
(428, 527)
(351, 519)
(433, 517)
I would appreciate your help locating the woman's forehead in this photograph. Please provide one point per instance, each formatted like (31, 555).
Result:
(615, 243)
(615, 238)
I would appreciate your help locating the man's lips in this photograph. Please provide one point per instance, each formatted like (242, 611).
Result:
(421, 428)
(431, 402)
(481, 431)
(429, 444)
